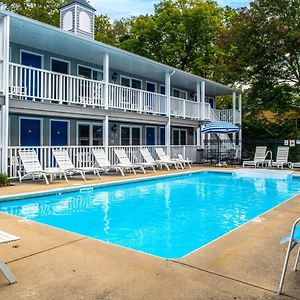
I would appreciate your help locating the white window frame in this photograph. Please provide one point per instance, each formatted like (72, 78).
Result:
(130, 79)
(34, 53)
(155, 134)
(90, 132)
(130, 134)
(41, 128)
(59, 120)
(180, 130)
(62, 60)
(91, 68)
(180, 91)
(151, 82)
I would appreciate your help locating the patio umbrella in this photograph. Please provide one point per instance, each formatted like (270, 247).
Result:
(220, 127)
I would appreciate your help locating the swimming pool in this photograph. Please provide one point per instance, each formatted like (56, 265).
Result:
(167, 217)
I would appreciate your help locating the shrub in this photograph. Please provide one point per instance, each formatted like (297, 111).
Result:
(4, 179)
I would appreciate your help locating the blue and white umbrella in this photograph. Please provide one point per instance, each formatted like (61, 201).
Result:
(220, 127)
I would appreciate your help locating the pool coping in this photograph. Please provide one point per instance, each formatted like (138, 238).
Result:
(83, 187)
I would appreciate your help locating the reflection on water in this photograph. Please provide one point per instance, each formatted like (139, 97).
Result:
(168, 217)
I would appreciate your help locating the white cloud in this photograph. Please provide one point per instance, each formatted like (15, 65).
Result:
(116, 9)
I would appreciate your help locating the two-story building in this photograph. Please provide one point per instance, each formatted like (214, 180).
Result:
(61, 88)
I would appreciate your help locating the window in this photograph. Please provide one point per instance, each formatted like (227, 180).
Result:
(179, 137)
(130, 136)
(68, 21)
(151, 87)
(131, 82)
(84, 22)
(89, 73)
(179, 94)
(60, 66)
(89, 134)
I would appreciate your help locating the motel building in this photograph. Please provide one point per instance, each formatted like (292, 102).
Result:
(59, 88)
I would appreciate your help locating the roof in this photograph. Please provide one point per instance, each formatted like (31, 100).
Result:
(24, 31)
(80, 2)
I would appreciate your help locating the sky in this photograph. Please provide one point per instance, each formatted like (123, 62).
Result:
(116, 9)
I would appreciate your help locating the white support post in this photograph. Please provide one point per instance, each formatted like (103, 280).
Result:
(168, 98)
(106, 78)
(105, 135)
(234, 117)
(201, 92)
(4, 77)
(105, 96)
(200, 114)
(240, 132)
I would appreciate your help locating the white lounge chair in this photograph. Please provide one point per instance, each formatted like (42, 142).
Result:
(125, 163)
(6, 238)
(282, 157)
(164, 158)
(64, 163)
(184, 161)
(295, 165)
(103, 163)
(259, 157)
(293, 239)
(149, 161)
(32, 167)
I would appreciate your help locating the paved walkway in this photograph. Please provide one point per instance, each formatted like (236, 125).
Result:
(54, 264)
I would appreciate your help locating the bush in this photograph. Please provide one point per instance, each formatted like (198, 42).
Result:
(4, 179)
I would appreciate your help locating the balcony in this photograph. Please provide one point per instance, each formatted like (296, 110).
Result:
(37, 85)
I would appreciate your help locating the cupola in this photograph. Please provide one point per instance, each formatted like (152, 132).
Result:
(78, 16)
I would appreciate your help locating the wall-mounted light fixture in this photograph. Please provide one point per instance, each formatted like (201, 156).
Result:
(114, 77)
(114, 128)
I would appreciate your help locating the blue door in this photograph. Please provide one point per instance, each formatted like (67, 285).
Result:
(31, 79)
(30, 132)
(150, 136)
(162, 136)
(59, 133)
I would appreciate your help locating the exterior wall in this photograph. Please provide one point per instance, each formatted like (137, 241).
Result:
(113, 138)
(16, 58)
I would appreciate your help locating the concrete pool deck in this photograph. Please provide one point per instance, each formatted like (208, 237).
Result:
(50, 263)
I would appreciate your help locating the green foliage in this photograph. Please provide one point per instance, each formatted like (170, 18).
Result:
(41, 10)
(4, 179)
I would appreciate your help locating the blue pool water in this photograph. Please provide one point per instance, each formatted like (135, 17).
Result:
(167, 217)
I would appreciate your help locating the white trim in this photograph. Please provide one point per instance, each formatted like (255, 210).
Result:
(155, 135)
(91, 124)
(130, 80)
(180, 130)
(151, 82)
(61, 60)
(180, 91)
(130, 134)
(41, 128)
(33, 53)
(50, 129)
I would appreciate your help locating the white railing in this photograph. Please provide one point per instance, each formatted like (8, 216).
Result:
(1, 166)
(225, 115)
(130, 99)
(177, 107)
(207, 112)
(82, 156)
(185, 108)
(34, 84)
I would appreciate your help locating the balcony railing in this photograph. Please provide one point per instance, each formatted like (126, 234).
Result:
(82, 156)
(28, 83)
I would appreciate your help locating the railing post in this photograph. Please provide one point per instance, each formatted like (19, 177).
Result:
(184, 109)
(141, 101)
(61, 89)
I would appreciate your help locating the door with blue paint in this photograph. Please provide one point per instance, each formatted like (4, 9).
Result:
(59, 133)
(150, 136)
(163, 102)
(162, 136)
(30, 132)
(31, 79)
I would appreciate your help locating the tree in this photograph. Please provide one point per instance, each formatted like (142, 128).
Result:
(44, 11)
(180, 33)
